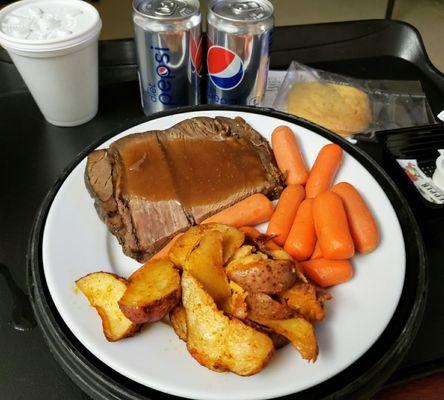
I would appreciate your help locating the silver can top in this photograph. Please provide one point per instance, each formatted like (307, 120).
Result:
(242, 10)
(166, 9)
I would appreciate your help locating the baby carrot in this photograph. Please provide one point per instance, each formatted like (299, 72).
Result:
(327, 272)
(283, 216)
(302, 237)
(252, 233)
(253, 210)
(331, 226)
(362, 224)
(317, 253)
(288, 155)
(324, 170)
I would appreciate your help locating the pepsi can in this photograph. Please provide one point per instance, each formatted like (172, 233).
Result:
(238, 34)
(168, 40)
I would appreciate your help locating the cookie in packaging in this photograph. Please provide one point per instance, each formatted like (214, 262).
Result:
(349, 106)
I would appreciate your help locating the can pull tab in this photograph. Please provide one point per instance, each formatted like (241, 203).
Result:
(166, 8)
(253, 9)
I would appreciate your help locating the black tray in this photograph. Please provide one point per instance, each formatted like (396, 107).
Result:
(34, 154)
(419, 143)
(359, 380)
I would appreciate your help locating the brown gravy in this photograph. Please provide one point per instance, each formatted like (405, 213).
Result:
(145, 169)
(193, 171)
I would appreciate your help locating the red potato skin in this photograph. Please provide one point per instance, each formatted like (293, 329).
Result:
(361, 222)
(265, 276)
(152, 312)
(264, 306)
(331, 227)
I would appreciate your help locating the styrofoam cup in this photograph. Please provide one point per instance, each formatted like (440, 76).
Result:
(54, 45)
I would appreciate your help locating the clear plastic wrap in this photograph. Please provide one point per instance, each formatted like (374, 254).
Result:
(350, 106)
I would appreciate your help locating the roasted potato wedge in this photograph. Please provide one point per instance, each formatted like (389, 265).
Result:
(232, 240)
(279, 341)
(153, 290)
(279, 254)
(184, 245)
(178, 318)
(306, 300)
(235, 305)
(205, 263)
(264, 306)
(218, 342)
(266, 276)
(103, 290)
(245, 255)
(298, 331)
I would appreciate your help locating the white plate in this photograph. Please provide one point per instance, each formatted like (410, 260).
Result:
(76, 242)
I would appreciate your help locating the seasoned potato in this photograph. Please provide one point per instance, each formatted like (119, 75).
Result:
(153, 290)
(306, 300)
(235, 288)
(218, 342)
(257, 251)
(103, 290)
(279, 341)
(178, 319)
(185, 244)
(205, 263)
(245, 255)
(264, 306)
(298, 330)
(242, 252)
(279, 254)
(232, 240)
(235, 305)
(267, 276)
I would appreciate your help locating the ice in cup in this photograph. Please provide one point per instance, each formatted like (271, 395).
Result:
(54, 45)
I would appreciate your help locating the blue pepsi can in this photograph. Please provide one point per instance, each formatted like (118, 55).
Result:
(168, 39)
(238, 42)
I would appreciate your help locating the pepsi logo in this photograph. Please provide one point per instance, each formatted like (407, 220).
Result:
(225, 68)
(162, 71)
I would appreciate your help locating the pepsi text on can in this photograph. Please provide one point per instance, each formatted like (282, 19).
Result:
(169, 53)
(161, 89)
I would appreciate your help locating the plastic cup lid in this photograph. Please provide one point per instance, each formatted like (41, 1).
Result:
(47, 25)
